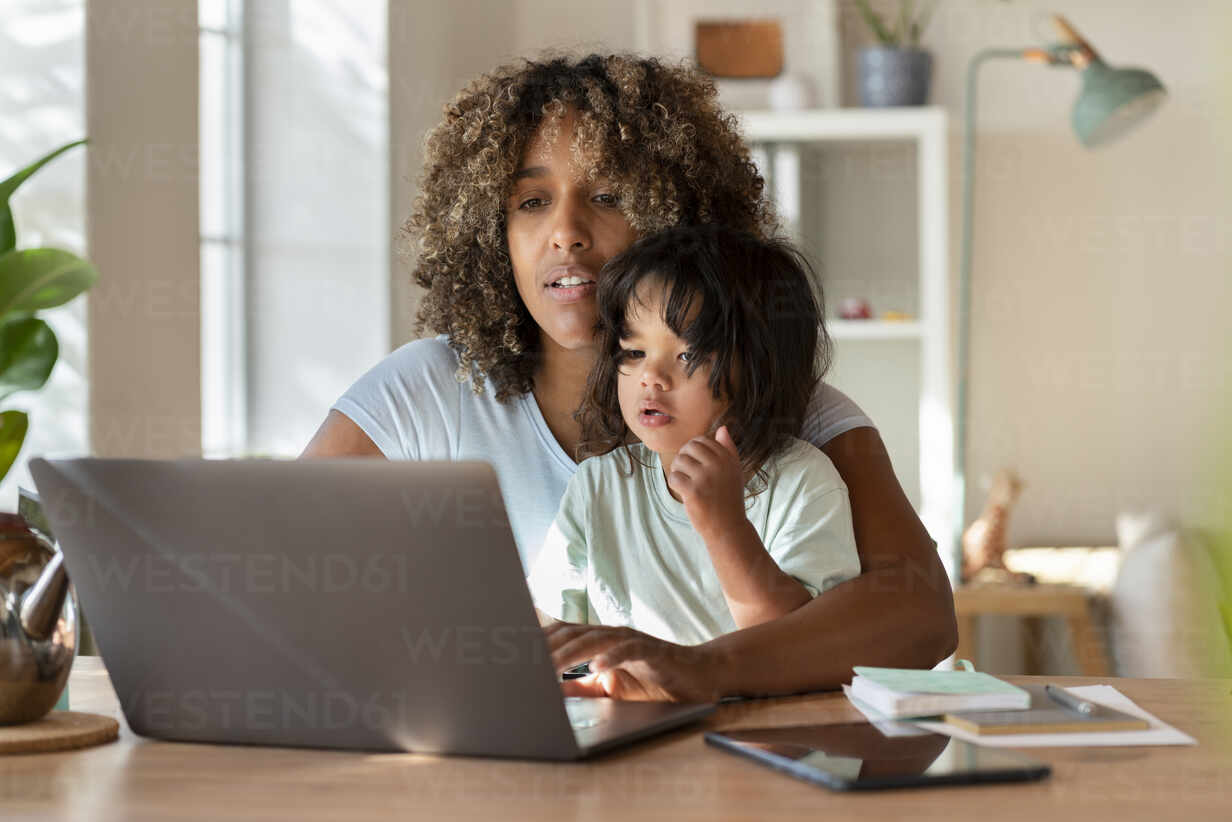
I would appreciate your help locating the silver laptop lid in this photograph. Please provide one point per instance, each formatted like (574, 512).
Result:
(335, 603)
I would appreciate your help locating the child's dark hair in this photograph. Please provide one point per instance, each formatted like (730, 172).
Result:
(759, 325)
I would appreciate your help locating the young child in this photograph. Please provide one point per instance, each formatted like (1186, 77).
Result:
(719, 518)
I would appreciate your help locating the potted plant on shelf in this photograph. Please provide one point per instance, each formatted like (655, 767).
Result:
(896, 71)
(30, 281)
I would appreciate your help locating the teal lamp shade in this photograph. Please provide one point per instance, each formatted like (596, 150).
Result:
(1113, 101)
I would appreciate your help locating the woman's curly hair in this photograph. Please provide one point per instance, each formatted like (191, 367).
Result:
(656, 131)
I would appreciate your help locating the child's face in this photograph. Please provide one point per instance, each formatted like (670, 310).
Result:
(660, 402)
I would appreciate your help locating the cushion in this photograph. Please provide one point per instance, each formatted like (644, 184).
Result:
(1165, 618)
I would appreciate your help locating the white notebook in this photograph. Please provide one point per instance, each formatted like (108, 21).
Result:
(908, 692)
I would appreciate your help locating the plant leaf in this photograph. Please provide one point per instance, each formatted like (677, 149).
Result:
(13, 425)
(874, 21)
(906, 10)
(28, 351)
(8, 233)
(10, 185)
(40, 278)
(924, 18)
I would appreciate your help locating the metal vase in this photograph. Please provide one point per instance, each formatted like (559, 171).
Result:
(38, 623)
(894, 76)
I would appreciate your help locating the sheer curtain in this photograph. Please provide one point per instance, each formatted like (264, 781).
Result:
(295, 237)
(317, 183)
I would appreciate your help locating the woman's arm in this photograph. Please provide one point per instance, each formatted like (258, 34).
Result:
(338, 436)
(899, 612)
(901, 606)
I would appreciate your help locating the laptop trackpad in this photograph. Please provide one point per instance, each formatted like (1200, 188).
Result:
(604, 722)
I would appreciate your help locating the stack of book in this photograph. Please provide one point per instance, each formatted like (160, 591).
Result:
(980, 703)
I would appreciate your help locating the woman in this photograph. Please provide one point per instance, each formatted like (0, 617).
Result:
(539, 173)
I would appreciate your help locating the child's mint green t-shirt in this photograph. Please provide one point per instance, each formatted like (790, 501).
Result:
(622, 551)
(412, 406)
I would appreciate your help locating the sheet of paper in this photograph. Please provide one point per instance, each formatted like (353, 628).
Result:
(888, 727)
(1160, 733)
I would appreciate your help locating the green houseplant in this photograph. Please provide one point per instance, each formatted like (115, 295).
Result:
(31, 280)
(896, 71)
(906, 27)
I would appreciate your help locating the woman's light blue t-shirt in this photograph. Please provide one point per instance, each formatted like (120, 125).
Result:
(412, 407)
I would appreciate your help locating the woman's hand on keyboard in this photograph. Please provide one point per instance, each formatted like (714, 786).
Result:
(628, 664)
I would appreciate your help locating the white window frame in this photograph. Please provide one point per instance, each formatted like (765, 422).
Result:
(224, 232)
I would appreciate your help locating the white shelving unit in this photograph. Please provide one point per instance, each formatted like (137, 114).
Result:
(874, 330)
(881, 350)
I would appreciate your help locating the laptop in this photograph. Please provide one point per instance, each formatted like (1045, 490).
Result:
(354, 604)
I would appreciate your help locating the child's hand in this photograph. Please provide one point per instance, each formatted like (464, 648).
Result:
(710, 481)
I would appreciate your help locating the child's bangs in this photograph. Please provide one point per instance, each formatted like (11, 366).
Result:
(691, 304)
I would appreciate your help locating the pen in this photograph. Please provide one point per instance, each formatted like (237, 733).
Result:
(1070, 701)
(577, 671)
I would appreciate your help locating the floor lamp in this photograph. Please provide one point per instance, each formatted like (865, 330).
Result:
(1111, 103)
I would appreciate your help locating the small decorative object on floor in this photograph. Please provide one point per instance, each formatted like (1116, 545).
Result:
(59, 731)
(896, 72)
(854, 308)
(984, 542)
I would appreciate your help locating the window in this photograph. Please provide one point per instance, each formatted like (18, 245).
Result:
(223, 234)
(295, 231)
(42, 106)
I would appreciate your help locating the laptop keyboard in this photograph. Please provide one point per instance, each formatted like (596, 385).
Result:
(584, 713)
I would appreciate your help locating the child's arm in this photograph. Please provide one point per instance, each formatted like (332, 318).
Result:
(707, 475)
(757, 590)
(898, 613)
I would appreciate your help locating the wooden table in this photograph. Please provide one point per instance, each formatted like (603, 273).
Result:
(1032, 603)
(673, 777)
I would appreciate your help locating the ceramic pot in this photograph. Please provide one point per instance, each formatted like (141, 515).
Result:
(894, 77)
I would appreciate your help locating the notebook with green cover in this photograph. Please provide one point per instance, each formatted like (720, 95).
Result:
(910, 680)
(903, 692)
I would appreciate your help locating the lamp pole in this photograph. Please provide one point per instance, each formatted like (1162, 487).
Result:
(1111, 103)
(964, 293)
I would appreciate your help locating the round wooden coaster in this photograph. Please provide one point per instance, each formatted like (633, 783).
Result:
(58, 731)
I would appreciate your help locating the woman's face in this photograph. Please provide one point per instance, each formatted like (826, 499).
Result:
(561, 230)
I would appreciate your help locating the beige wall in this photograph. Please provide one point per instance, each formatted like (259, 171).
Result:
(435, 47)
(1102, 278)
(142, 227)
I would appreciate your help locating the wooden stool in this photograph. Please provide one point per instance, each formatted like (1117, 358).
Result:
(1032, 602)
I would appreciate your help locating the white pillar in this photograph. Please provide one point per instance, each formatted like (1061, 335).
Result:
(142, 227)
